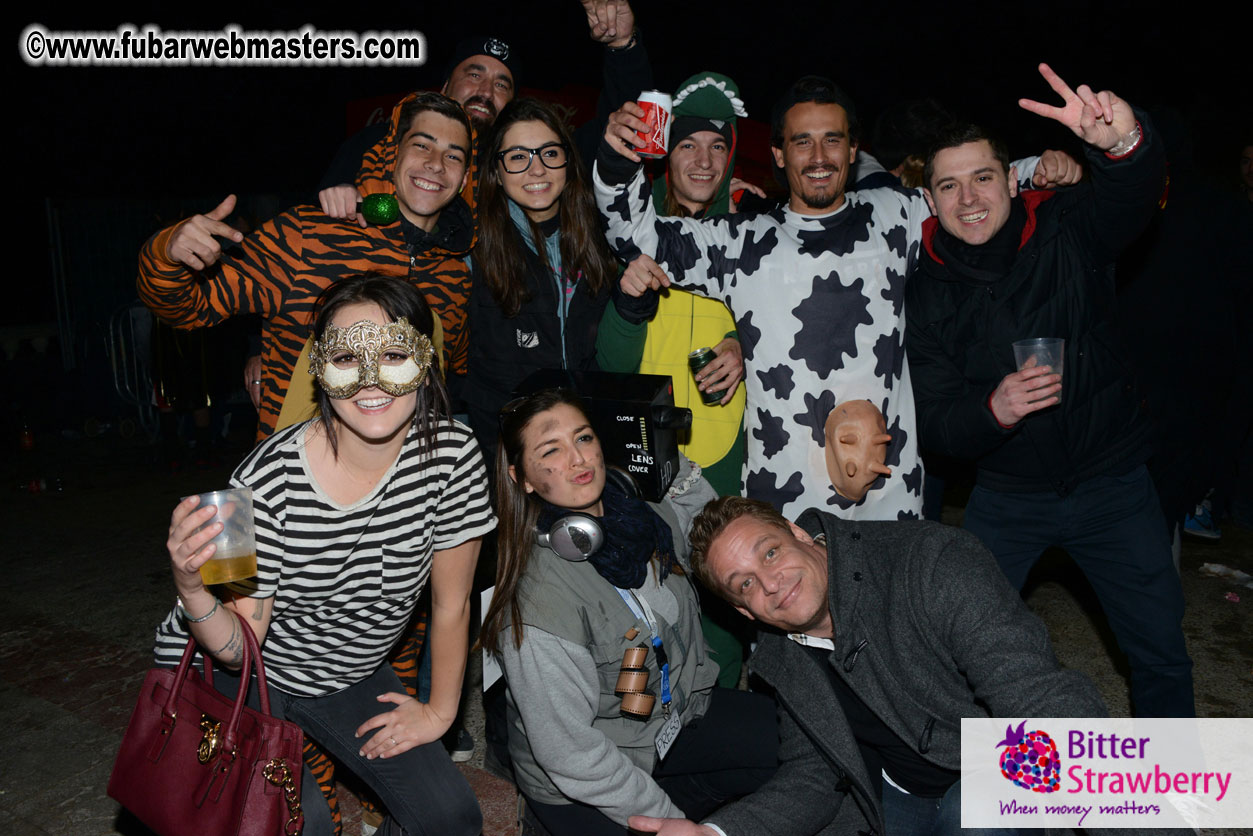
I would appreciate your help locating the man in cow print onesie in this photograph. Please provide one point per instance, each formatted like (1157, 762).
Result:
(816, 287)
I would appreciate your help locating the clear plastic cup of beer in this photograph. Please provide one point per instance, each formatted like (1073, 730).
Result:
(236, 555)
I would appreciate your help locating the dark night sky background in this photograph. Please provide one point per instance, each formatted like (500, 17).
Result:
(200, 133)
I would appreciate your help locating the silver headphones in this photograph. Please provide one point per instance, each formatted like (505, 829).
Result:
(576, 536)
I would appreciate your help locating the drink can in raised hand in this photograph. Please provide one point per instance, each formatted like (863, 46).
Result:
(657, 109)
(697, 360)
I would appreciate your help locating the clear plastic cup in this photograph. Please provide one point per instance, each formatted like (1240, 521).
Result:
(236, 554)
(1041, 351)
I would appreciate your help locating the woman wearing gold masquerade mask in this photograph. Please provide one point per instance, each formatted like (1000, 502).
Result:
(355, 511)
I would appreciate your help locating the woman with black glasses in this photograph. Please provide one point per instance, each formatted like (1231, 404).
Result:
(542, 270)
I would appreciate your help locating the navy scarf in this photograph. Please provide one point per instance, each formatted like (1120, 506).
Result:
(633, 534)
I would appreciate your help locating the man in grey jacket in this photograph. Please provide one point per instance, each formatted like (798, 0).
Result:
(888, 633)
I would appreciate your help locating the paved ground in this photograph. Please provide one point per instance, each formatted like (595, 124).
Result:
(88, 580)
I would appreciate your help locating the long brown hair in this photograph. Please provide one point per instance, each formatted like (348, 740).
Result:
(583, 246)
(517, 512)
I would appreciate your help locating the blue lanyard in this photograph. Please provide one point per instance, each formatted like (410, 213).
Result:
(663, 661)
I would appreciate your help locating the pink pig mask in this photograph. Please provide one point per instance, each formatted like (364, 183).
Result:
(857, 440)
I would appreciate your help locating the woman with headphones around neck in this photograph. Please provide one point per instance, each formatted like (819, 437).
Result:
(567, 619)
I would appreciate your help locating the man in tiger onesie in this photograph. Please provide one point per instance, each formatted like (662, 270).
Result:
(278, 271)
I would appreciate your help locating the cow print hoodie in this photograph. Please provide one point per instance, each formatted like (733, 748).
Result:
(818, 303)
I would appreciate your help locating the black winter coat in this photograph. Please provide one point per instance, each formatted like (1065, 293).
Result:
(504, 350)
(960, 333)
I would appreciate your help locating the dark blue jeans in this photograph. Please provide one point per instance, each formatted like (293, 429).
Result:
(1112, 526)
(912, 815)
(422, 792)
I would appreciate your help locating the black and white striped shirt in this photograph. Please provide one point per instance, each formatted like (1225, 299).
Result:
(345, 578)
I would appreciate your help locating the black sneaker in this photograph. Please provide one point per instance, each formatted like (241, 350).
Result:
(460, 744)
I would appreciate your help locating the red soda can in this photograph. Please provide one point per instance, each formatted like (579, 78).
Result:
(657, 109)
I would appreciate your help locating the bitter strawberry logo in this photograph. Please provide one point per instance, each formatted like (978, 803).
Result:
(1030, 759)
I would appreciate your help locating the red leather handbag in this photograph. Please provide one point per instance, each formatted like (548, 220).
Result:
(193, 761)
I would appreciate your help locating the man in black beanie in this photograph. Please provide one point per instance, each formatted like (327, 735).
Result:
(480, 77)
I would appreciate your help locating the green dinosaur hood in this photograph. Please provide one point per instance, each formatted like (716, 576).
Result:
(713, 96)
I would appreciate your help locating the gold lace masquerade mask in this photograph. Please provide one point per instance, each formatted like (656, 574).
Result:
(394, 357)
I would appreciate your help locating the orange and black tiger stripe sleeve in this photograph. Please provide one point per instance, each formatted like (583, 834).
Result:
(248, 278)
(254, 276)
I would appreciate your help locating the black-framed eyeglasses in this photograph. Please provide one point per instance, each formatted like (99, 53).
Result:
(518, 159)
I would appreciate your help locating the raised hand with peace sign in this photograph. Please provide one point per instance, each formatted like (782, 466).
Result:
(1100, 119)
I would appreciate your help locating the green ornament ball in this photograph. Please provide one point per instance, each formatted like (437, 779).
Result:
(380, 209)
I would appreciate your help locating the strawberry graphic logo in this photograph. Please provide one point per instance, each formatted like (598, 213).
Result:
(1030, 759)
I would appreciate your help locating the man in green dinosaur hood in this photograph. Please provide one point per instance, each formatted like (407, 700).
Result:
(697, 183)
(702, 148)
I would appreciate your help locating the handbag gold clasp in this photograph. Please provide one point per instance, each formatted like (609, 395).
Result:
(208, 743)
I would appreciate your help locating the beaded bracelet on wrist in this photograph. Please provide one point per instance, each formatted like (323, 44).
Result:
(625, 46)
